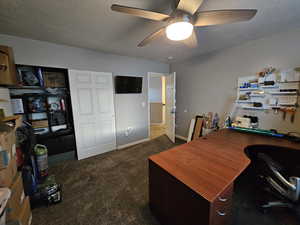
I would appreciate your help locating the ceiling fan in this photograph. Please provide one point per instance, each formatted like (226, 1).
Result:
(179, 26)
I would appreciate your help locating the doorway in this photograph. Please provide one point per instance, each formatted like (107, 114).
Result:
(161, 98)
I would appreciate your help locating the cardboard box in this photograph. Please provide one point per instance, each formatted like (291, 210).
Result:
(17, 120)
(7, 66)
(54, 79)
(7, 146)
(14, 204)
(8, 174)
(5, 157)
(39, 123)
(25, 216)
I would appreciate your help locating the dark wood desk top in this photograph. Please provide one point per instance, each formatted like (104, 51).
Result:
(210, 164)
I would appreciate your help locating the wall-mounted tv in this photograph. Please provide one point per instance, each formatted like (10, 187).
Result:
(128, 85)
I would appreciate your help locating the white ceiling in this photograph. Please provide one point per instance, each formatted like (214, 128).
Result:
(91, 24)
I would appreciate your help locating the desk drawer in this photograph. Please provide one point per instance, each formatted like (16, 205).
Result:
(221, 208)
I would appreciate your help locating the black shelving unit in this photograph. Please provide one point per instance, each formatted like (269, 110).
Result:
(47, 106)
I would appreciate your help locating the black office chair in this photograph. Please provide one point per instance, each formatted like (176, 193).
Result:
(276, 179)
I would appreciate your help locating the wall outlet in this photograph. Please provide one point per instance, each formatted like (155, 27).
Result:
(128, 131)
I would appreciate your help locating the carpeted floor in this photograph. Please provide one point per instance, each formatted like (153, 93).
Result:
(157, 131)
(112, 189)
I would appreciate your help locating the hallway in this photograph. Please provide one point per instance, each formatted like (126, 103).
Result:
(157, 130)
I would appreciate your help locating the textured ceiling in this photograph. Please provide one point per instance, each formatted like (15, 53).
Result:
(91, 24)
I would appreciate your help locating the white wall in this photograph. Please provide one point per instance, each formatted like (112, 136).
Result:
(208, 83)
(131, 109)
(155, 89)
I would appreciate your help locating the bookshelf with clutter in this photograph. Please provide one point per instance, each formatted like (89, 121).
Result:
(270, 92)
(42, 98)
(35, 125)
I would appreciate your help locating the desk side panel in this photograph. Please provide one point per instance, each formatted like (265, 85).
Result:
(172, 202)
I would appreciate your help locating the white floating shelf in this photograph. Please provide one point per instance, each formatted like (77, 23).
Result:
(283, 93)
(288, 82)
(244, 101)
(254, 108)
(257, 95)
(287, 104)
(281, 107)
(269, 86)
(248, 89)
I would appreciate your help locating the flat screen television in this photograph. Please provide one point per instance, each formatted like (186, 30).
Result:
(128, 85)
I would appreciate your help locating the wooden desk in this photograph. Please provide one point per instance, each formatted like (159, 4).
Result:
(192, 184)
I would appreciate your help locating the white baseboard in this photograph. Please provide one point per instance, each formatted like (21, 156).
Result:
(181, 137)
(133, 143)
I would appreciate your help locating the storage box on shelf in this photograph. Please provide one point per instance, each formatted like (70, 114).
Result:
(54, 79)
(7, 66)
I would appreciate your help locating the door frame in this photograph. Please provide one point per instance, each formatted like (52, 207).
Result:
(151, 74)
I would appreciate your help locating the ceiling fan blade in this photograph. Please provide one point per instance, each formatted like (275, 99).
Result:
(190, 6)
(140, 12)
(192, 41)
(218, 17)
(153, 36)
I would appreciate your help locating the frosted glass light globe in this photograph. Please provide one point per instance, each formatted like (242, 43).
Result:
(179, 31)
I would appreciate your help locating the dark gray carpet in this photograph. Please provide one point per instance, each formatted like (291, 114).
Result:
(112, 189)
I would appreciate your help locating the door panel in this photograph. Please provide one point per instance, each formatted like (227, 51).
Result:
(104, 100)
(93, 111)
(85, 100)
(88, 138)
(170, 107)
(84, 78)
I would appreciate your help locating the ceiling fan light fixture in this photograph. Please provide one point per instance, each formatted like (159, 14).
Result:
(179, 31)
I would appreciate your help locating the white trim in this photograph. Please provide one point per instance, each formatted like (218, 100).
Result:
(181, 137)
(133, 143)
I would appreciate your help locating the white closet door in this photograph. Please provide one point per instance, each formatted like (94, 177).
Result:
(93, 111)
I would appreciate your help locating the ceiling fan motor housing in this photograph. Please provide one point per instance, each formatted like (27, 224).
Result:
(181, 16)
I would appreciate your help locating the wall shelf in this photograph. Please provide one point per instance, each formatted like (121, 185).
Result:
(287, 82)
(248, 89)
(283, 93)
(269, 86)
(244, 101)
(257, 95)
(254, 108)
